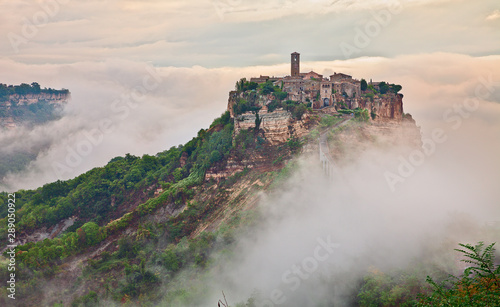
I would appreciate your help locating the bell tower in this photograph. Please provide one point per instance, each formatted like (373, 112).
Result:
(295, 64)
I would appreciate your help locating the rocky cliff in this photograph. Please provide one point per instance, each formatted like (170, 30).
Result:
(384, 107)
(28, 99)
(384, 119)
(277, 126)
(31, 108)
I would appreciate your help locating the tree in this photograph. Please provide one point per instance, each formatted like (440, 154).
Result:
(258, 120)
(22, 89)
(170, 259)
(364, 85)
(280, 95)
(298, 111)
(251, 86)
(35, 88)
(89, 234)
(267, 88)
(383, 87)
(396, 88)
(478, 286)
(215, 156)
(240, 85)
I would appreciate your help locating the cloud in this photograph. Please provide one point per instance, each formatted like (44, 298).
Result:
(494, 15)
(447, 200)
(188, 99)
(237, 33)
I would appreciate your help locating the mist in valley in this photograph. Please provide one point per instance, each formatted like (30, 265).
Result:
(121, 107)
(148, 75)
(389, 210)
(320, 237)
(394, 209)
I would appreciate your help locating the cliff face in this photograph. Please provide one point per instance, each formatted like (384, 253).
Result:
(31, 108)
(28, 99)
(278, 126)
(388, 107)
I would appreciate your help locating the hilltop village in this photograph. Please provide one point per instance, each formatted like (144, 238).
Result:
(281, 106)
(340, 91)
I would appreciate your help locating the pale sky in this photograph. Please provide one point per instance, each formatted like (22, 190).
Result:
(216, 33)
(103, 50)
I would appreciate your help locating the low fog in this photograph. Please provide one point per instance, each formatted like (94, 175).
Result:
(121, 107)
(365, 222)
(319, 237)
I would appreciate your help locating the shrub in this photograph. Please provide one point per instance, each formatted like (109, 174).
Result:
(329, 120)
(280, 96)
(479, 285)
(361, 115)
(294, 144)
(298, 111)
(383, 87)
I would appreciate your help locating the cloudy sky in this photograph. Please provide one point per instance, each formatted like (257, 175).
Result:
(158, 71)
(217, 33)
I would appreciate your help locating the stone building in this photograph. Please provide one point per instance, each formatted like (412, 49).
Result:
(295, 64)
(313, 88)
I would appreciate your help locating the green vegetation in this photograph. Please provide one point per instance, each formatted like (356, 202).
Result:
(370, 95)
(243, 106)
(294, 144)
(250, 103)
(478, 286)
(372, 89)
(36, 113)
(386, 87)
(25, 114)
(98, 197)
(364, 85)
(383, 87)
(391, 290)
(25, 89)
(268, 88)
(158, 248)
(97, 194)
(243, 85)
(360, 114)
(296, 108)
(280, 96)
(329, 120)
(15, 161)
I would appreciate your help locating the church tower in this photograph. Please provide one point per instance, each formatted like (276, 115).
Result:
(295, 64)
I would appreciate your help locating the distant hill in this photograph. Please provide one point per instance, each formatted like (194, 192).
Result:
(26, 105)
